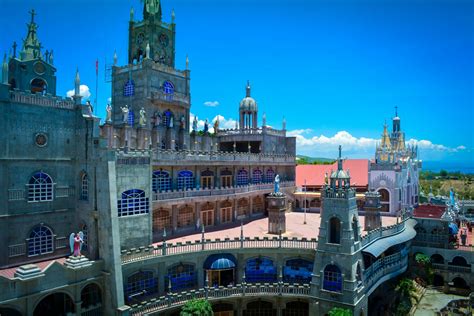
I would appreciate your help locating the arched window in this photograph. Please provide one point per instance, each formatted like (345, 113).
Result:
(133, 202)
(334, 230)
(257, 176)
(182, 276)
(161, 219)
(168, 87)
(58, 303)
(355, 228)
(270, 175)
(332, 280)
(242, 177)
(161, 181)
(91, 296)
(142, 283)
(358, 273)
(258, 205)
(260, 270)
(459, 261)
(40, 188)
(40, 241)
(242, 207)
(384, 200)
(167, 115)
(185, 180)
(226, 178)
(437, 258)
(296, 308)
(84, 187)
(185, 216)
(207, 179)
(38, 85)
(258, 308)
(297, 271)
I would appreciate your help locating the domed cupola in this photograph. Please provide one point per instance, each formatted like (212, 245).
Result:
(248, 111)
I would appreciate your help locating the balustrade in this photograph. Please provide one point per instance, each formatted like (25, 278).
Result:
(42, 100)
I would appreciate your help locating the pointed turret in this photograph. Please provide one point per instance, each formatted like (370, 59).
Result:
(173, 16)
(152, 8)
(396, 122)
(5, 70)
(132, 13)
(115, 58)
(77, 89)
(31, 45)
(187, 62)
(385, 143)
(283, 124)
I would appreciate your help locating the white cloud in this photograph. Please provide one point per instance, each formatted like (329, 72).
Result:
(83, 91)
(109, 100)
(223, 123)
(354, 146)
(211, 103)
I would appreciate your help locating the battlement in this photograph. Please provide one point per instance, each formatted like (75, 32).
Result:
(41, 100)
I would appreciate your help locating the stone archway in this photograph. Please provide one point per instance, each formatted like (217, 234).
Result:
(58, 304)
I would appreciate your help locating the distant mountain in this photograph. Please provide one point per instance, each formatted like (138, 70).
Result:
(306, 160)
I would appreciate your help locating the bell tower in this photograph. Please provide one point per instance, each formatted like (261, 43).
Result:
(151, 38)
(337, 275)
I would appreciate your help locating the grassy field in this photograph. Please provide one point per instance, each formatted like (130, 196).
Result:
(463, 185)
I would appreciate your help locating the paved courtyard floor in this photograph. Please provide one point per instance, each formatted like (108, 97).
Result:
(295, 227)
(433, 301)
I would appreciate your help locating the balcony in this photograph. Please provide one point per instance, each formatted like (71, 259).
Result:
(384, 269)
(21, 249)
(174, 300)
(251, 131)
(204, 192)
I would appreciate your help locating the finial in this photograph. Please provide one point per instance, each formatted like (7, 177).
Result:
(147, 51)
(396, 111)
(248, 89)
(284, 123)
(115, 57)
(77, 79)
(187, 62)
(4, 58)
(340, 151)
(33, 13)
(172, 15)
(132, 13)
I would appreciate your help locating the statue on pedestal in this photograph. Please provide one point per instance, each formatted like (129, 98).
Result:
(157, 118)
(277, 185)
(125, 111)
(195, 124)
(142, 120)
(75, 242)
(108, 109)
(206, 126)
(216, 125)
(90, 110)
(182, 122)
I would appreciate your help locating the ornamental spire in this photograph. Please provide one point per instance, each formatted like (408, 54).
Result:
(31, 45)
(152, 8)
(247, 89)
(5, 69)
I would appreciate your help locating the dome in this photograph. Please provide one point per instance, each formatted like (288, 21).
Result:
(248, 104)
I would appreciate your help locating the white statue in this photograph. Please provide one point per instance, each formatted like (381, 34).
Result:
(125, 111)
(90, 110)
(142, 120)
(276, 184)
(157, 119)
(108, 118)
(171, 121)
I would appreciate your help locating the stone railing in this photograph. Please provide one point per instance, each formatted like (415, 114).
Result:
(43, 100)
(330, 193)
(208, 156)
(16, 194)
(154, 65)
(179, 194)
(21, 249)
(58, 192)
(449, 267)
(174, 300)
(165, 249)
(175, 97)
(384, 267)
(251, 131)
(382, 232)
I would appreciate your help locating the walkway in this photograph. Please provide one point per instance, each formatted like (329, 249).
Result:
(433, 301)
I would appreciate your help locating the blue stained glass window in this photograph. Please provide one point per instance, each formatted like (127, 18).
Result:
(182, 276)
(40, 241)
(131, 118)
(168, 87)
(185, 180)
(297, 271)
(257, 176)
(133, 202)
(161, 181)
(40, 188)
(270, 175)
(142, 283)
(129, 88)
(332, 278)
(260, 270)
(242, 177)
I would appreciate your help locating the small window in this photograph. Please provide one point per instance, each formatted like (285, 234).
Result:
(185, 180)
(242, 177)
(40, 188)
(257, 176)
(129, 88)
(133, 202)
(332, 278)
(84, 187)
(168, 87)
(161, 181)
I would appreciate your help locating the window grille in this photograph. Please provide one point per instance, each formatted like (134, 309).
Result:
(40, 188)
(161, 181)
(270, 175)
(40, 241)
(141, 284)
(332, 279)
(257, 176)
(133, 202)
(84, 187)
(185, 180)
(129, 88)
(242, 177)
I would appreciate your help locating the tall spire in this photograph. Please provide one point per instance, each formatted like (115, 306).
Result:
(339, 159)
(385, 143)
(77, 89)
(31, 45)
(152, 8)
(396, 111)
(247, 89)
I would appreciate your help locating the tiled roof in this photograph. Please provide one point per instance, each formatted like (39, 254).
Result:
(43, 265)
(314, 174)
(429, 211)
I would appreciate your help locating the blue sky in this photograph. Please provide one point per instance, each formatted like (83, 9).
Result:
(334, 68)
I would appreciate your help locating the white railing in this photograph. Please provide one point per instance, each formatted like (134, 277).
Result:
(165, 249)
(20, 249)
(383, 267)
(64, 191)
(16, 194)
(179, 194)
(382, 232)
(43, 100)
(173, 300)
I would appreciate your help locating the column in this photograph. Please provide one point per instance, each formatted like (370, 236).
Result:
(234, 208)
(251, 206)
(174, 217)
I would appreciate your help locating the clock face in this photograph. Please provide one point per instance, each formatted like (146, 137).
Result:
(41, 139)
(39, 68)
(140, 38)
(164, 40)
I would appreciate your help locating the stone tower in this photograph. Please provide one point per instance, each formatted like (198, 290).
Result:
(372, 211)
(32, 70)
(337, 276)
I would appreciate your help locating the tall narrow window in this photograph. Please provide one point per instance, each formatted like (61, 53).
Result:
(257, 176)
(334, 230)
(270, 175)
(332, 278)
(40, 188)
(226, 178)
(133, 202)
(84, 187)
(185, 180)
(242, 177)
(161, 181)
(40, 241)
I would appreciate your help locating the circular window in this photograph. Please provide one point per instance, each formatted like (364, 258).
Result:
(39, 68)
(41, 140)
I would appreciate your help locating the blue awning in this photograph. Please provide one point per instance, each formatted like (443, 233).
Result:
(379, 246)
(220, 262)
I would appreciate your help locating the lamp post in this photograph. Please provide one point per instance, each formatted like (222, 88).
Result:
(305, 190)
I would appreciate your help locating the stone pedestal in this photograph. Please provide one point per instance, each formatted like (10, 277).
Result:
(372, 211)
(77, 262)
(276, 213)
(28, 271)
(143, 138)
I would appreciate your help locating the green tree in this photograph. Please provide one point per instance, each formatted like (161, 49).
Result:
(443, 173)
(405, 287)
(338, 311)
(197, 307)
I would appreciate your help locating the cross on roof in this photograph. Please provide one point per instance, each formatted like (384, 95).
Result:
(33, 13)
(396, 110)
